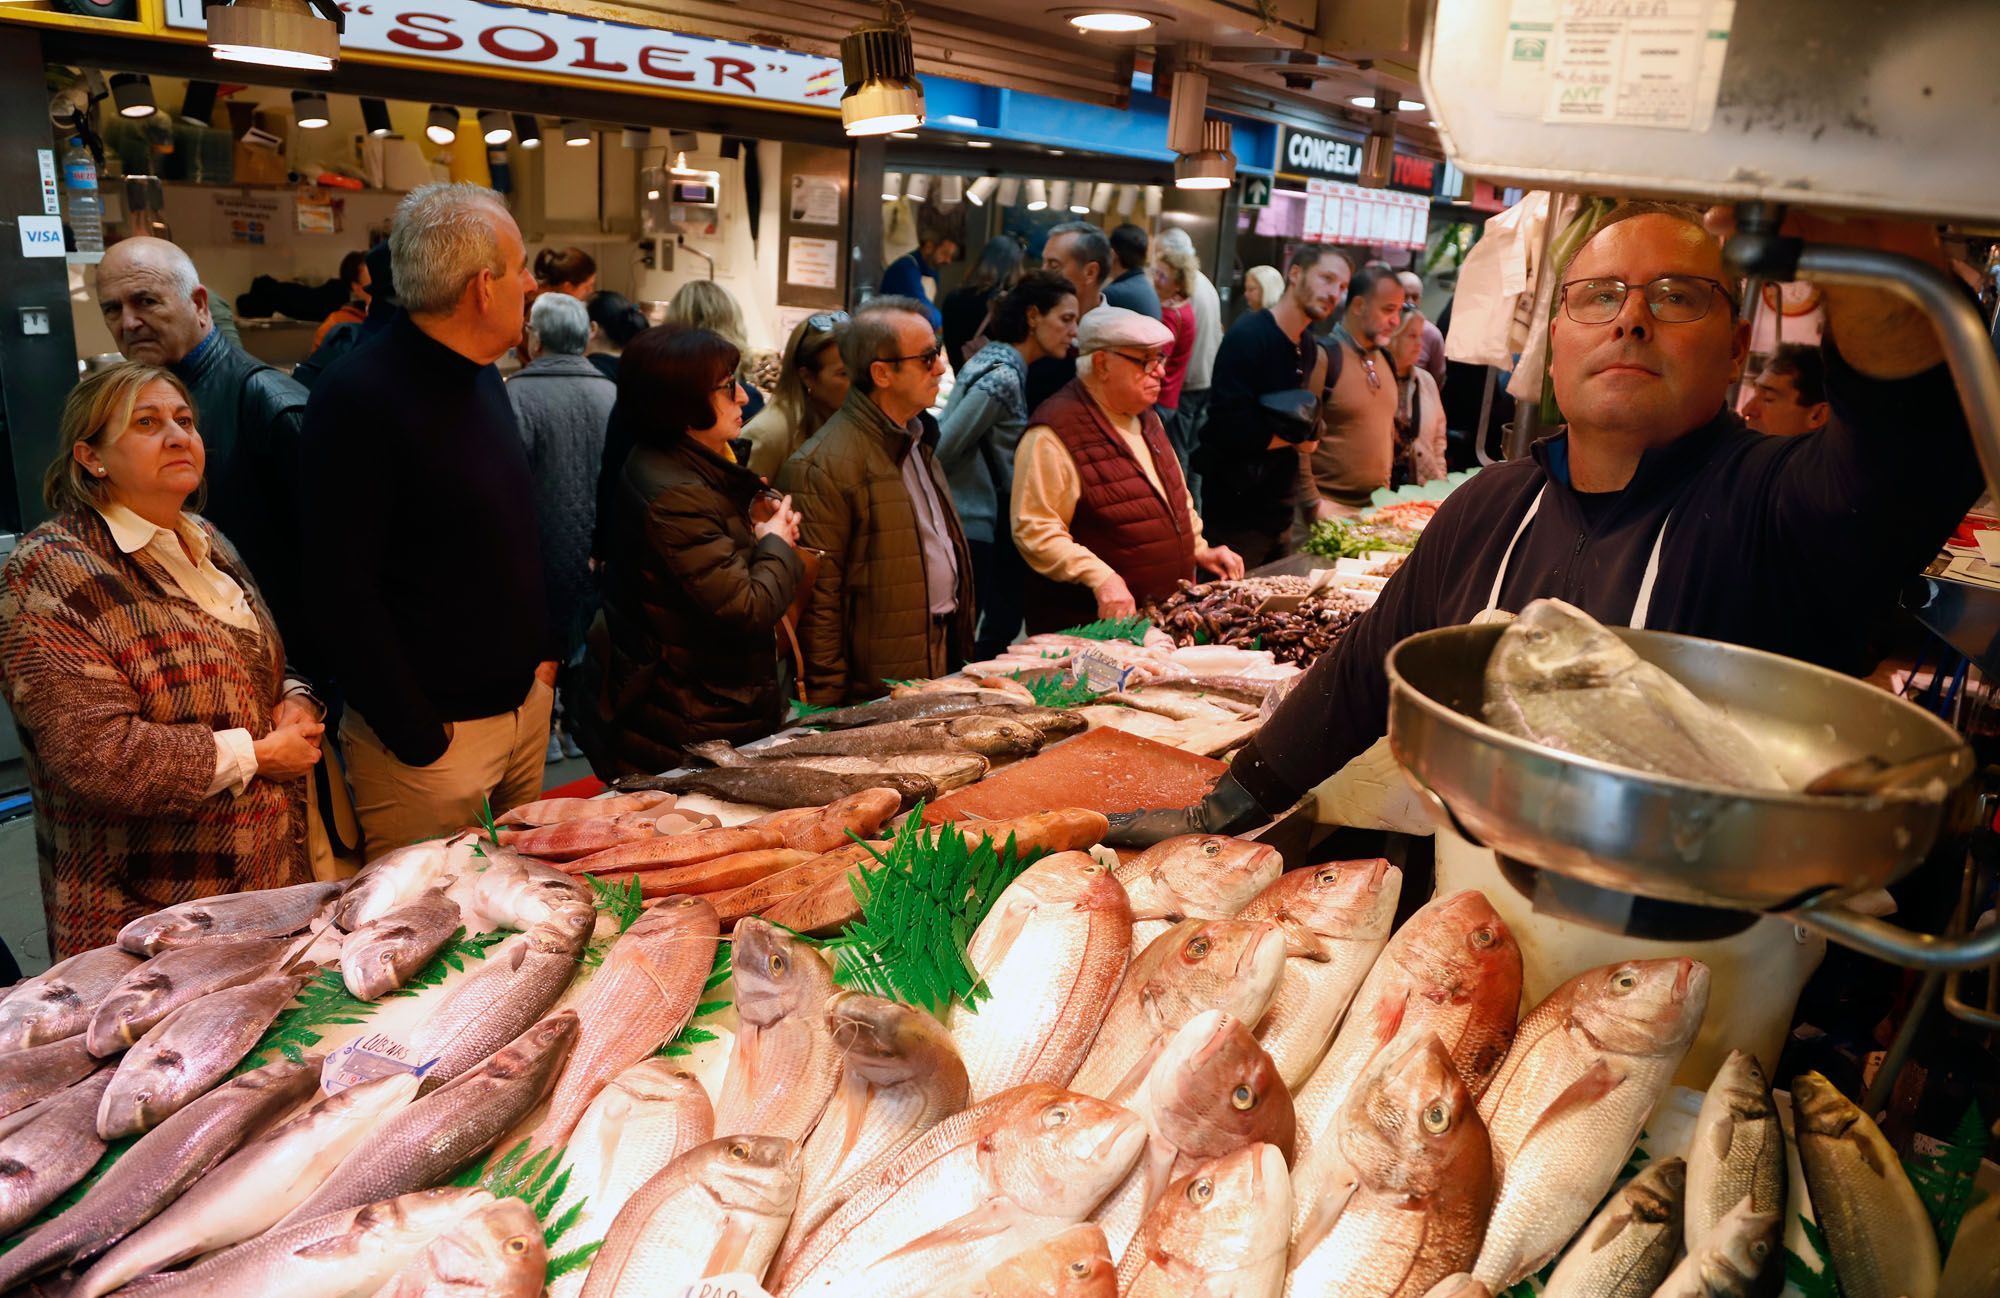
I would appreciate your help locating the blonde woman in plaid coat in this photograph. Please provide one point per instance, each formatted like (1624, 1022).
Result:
(165, 746)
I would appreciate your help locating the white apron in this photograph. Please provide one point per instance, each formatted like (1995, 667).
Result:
(1756, 975)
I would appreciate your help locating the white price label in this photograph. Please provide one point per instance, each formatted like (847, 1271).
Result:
(734, 1285)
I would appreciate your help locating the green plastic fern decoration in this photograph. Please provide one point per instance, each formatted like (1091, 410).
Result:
(486, 820)
(1132, 629)
(920, 904)
(1054, 690)
(1811, 1281)
(323, 1002)
(540, 1182)
(625, 901)
(1946, 1183)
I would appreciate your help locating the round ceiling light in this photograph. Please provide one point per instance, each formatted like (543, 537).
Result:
(1363, 101)
(882, 94)
(1410, 105)
(441, 126)
(1110, 20)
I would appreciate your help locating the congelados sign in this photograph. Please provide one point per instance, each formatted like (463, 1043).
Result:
(531, 40)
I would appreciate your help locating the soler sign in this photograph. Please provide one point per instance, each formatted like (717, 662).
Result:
(536, 42)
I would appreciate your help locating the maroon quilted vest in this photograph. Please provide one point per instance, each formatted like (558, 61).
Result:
(1120, 517)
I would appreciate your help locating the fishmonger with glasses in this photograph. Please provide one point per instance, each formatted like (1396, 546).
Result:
(1101, 510)
(1655, 506)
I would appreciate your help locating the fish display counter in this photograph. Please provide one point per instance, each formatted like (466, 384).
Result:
(759, 1026)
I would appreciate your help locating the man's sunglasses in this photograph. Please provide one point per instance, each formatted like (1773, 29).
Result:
(929, 358)
(826, 321)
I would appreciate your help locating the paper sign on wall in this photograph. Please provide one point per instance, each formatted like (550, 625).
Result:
(816, 200)
(812, 263)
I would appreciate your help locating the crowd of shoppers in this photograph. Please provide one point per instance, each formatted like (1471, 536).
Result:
(619, 515)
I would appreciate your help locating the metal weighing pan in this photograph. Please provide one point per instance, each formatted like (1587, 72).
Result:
(1674, 840)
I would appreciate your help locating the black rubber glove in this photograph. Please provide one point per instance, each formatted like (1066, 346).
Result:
(1228, 809)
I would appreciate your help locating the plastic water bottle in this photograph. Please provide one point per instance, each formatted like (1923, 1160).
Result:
(86, 209)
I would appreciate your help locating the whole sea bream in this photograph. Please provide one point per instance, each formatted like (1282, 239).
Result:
(51, 1153)
(1336, 919)
(252, 1189)
(979, 1187)
(496, 1251)
(1219, 1232)
(1049, 954)
(1558, 678)
(1408, 1204)
(638, 1000)
(234, 916)
(783, 1065)
(1194, 876)
(718, 1209)
(1587, 1068)
(33, 1074)
(431, 1140)
(648, 1116)
(174, 978)
(1197, 965)
(348, 1254)
(380, 956)
(1628, 1248)
(160, 1166)
(60, 1002)
(900, 1076)
(191, 1050)
(1073, 1264)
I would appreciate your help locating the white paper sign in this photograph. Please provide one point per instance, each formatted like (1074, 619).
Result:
(47, 158)
(815, 200)
(41, 236)
(1613, 62)
(813, 263)
(734, 1285)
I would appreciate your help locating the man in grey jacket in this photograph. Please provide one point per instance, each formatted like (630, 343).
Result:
(249, 414)
(563, 404)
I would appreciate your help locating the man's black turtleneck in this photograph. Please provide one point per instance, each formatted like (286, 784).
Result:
(421, 546)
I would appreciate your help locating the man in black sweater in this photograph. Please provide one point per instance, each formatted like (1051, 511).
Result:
(420, 538)
(1656, 507)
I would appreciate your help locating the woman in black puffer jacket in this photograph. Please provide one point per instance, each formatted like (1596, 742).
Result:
(685, 649)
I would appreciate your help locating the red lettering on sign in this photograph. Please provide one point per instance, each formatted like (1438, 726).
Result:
(728, 69)
(1416, 172)
(422, 37)
(589, 60)
(544, 48)
(654, 67)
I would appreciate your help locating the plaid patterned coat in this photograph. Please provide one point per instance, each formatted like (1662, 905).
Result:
(118, 684)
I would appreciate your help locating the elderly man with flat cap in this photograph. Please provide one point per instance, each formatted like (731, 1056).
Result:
(1101, 511)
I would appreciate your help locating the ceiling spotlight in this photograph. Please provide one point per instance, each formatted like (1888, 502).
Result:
(494, 126)
(1009, 192)
(309, 109)
(1079, 209)
(1059, 194)
(441, 127)
(903, 135)
(575, 134)
(636, 137)
(375, 117)
(892, 186)
(1410, 105)
(1378, 155)
(1100, 196)
(1156, 199)
(1128, 198)
(303, 34)
(918, 189)
(133, 93)
(882, 92)
(1110, 20)
(1212, 166)
(981, 189)
(1362, 101)
(979, 144)
(951, 191)
(527, 130)
(1038, 195)
(198, 105)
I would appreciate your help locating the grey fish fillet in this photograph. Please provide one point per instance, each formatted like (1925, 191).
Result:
(175, 978)
(782, 785)
(52, 1153)
(380, 956)
(161, 1165)
(40, 1071)
(988, 736)
(269, 912)
(442, 1132)
(60, 1002)
(946, 770)
(346, 1254)
(915, 707)
(190, 1051)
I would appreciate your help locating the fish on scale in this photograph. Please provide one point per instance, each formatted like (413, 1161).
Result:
(1588, 1066)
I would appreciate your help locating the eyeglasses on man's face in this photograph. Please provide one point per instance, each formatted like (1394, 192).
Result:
(1147, 362)
(1673, 299)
